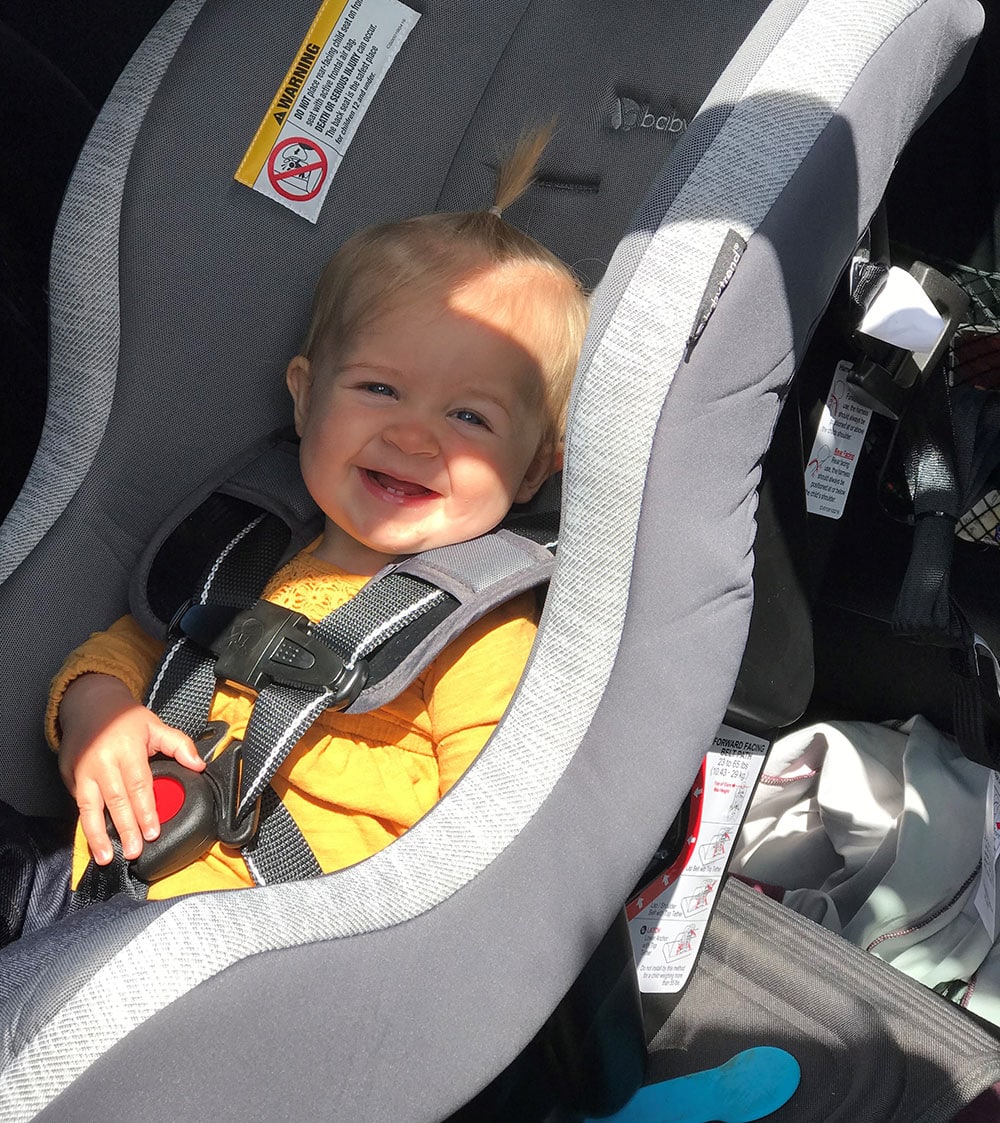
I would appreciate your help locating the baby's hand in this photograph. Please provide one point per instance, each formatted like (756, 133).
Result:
(107, 740)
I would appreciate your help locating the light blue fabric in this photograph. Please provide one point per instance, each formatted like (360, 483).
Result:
(748, 1087)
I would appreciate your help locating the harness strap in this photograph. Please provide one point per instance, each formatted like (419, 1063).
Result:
(399, 621)
(280, 851)
(100, 883)
(953, 448)
(258, 514)
(182, 689)
(282, 713)
(398, 613)
(923, 607)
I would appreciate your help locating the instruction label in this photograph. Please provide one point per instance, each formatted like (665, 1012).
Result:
(985, 899)
(326, 93)
(835, 452)
(668, 917)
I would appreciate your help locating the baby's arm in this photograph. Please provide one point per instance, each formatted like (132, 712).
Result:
(107, 740)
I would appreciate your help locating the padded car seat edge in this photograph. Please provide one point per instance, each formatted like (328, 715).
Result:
(84, 326)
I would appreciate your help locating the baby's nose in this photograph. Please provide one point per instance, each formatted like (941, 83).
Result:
(412, 435)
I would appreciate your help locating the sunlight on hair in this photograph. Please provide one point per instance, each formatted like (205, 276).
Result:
(379, 267)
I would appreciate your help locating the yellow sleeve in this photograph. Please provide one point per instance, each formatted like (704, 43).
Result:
(124, 651)
(470, 684)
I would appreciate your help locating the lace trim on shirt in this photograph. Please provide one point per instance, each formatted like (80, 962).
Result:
(312, 587)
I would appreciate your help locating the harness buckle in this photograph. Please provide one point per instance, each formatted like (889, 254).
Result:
(267, 644)
(196, 809)
(224, 773)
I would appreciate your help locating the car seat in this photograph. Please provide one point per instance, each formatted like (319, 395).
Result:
(402, 986)
(71, 61)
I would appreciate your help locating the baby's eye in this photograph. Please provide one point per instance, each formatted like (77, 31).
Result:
(470, 417)
(379, 388)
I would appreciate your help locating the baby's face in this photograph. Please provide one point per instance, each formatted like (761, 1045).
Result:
(426, 431)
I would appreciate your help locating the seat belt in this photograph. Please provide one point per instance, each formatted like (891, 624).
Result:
(945, 447)
(359, 657)
(952, 449)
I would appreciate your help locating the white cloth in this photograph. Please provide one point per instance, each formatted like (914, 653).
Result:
(876, 831)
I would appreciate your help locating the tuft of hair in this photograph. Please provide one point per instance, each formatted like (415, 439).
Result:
(517, 172)
(379, 267)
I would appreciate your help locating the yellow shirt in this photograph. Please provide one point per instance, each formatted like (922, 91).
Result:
(354, 782)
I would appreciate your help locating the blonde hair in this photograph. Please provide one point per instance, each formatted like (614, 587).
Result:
(379, 266)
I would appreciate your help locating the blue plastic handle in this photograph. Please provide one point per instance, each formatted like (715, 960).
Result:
(748, 1087)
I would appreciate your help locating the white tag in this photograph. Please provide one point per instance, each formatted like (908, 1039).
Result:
(835, 452)
(325, 94)
(902, 314)
(668, 917)
(986, 904)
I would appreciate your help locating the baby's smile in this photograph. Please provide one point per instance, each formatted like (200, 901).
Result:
(393, 488)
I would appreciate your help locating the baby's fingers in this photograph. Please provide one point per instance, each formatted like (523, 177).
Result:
(135, 816)
(124, 818)
(172, 742)
(127, 797)
(91, 804)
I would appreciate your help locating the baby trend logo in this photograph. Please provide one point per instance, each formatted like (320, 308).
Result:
(627, 114)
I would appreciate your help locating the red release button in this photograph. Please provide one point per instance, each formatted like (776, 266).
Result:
(169, 796)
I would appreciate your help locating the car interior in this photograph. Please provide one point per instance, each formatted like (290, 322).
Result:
(482, 968)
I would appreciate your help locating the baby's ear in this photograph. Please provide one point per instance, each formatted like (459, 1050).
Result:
(556, 462)
(298, 379)
(546, 461)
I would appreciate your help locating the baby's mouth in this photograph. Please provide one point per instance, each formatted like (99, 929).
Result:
(404, 489)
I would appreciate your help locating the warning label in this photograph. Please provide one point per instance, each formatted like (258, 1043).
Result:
(667, 918)
(835, 452)
(297, 169)
(321, 102)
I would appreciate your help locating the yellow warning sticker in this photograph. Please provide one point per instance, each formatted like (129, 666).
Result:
(325, 94)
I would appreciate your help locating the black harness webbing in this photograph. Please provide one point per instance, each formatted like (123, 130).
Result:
(952, 447)
(381, 640)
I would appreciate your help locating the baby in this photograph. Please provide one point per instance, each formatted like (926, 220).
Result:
(430, 397)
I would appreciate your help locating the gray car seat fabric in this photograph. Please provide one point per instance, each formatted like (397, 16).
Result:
(83, 289)
(765, 973)
(260, 263)
(367, 988)
(84, 268)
